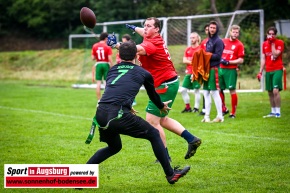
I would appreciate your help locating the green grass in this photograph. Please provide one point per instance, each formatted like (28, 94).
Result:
(48, 125)
(64, 67)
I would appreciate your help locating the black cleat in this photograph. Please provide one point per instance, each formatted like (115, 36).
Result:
(186, 110)
(232, 116)
(192, 147)
(225, 112)
(195, 110)
(202, 112)
(178, 173)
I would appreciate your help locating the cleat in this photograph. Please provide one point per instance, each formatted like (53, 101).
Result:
(278, 115)
(232, 116)
(270, 115)
(186, 110)
(202, 112)
(178, 173)
(218, 120)
(192, 147)
(205, 120)
(225, 112)
(195, 110)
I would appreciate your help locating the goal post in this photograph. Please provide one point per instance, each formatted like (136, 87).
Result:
(178, 29)
(176, 32)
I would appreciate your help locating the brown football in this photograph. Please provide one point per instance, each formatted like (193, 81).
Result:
(88, 17)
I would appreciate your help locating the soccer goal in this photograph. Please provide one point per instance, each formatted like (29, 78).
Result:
(176, 32)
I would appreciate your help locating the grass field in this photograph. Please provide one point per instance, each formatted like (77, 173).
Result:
(61, 66)
(48, 125)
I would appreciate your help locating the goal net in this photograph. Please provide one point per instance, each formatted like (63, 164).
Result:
(176, 32)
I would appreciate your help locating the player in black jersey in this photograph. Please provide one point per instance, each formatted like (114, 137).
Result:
(114, 116)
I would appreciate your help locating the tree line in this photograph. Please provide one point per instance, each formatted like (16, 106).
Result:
(58, 18)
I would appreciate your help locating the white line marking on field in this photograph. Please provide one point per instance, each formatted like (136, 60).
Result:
(84, 118)
(44, 112)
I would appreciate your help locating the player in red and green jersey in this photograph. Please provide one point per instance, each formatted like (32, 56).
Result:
(203, 46)
(232, 57)
(203, 42)
(187, 83)
(102, 53)
(273, 64)
(125, 38)
(155, 58)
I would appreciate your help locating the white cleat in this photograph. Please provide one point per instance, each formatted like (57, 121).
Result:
(205, 120)
(218, 120)
(270, 115)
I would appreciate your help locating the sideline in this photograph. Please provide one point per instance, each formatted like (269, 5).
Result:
(142, 88)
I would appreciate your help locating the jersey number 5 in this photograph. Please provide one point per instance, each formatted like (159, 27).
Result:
(167, 52)
(120, 75)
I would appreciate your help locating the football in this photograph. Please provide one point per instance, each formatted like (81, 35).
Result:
(88, 17)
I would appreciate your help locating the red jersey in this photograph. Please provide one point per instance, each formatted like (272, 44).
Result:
(233, 50)
(118, 59)
(189, 54)
(101, 52)
(203, 44)
(157, 61)
(271, 63)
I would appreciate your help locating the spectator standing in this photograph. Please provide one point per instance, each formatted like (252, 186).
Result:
(215, 46)
(273, 65)
(233, 56)
(125, 38)
(187, 83)
(102, 54)
(203, 46)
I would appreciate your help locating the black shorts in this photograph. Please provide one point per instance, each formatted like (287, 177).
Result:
(128, 124)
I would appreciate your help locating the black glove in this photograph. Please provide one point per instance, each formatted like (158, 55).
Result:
(225, 62)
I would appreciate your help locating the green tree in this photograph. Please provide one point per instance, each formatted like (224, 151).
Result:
(42, 18)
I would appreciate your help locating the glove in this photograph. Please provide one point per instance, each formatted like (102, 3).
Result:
(225, 62)
(270, 39)
(131, 27)
(112, 40)
(259, 76)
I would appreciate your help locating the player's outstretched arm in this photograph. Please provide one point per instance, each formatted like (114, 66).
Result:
(139, 30)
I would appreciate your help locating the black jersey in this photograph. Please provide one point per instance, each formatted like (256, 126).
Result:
(123, 83)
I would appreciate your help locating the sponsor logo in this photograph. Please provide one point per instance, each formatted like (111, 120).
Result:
(51, 175)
